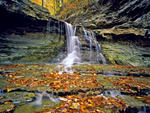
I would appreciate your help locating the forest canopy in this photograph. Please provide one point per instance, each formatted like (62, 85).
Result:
(52, 5)
(63, 7)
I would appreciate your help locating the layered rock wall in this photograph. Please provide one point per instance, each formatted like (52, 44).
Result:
(27, 33)
(121, 26)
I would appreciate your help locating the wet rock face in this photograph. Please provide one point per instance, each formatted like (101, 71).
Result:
(111, 13)
(126, 53)
(122, 22)
(24, 33)
(25, 7)
(135, 9)
(22, 16)
(106, 14)
(30, 48)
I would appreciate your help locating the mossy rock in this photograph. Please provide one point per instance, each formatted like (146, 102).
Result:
(29, 108)
(126, 53)
(132, 101)
(7, 107)
(18, 97)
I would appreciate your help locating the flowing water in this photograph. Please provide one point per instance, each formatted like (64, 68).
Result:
(73, 47)
(48, 27)
(89, 36)
(74, 55)
(40, 96)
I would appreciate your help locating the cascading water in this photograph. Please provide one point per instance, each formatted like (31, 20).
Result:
(91, 38)
(48, 27)
(74, 55)
(73, 47)
(40, 96)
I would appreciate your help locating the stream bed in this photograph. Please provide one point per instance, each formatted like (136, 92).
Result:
(90, 88)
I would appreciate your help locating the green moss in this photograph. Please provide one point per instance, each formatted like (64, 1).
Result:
(131, 101)
(28, 108)
(124, 53)
(42, 53)
(6, 107)
(106, 83)
(144, 80)
(109, 110)
(3, 83)
(31, 48)
(25, 108)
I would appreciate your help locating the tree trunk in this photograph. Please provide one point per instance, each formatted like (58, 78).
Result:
(54, 6)
(42, 3)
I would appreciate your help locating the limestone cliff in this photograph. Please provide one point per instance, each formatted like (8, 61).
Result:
(122, 26)
(24, 33)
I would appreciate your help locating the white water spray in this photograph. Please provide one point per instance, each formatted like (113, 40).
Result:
(91, 38)
(73, 48)
(40, 96)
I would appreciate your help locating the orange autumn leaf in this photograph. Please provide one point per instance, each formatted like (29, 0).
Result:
(89, 104)
(8, 89)
(66, 89)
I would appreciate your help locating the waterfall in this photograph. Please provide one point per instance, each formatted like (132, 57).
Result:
(73, 47)
(74, 55)
(48, 27)
(93, 55)
(89, 36)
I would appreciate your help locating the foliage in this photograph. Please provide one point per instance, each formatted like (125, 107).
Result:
(6, 107)
(85, 82)
(145, 99)
(128, 84)
(88, 104)
(33, 76)
(52, 5)
(63, 7)
(56, 81)
(74, 5)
